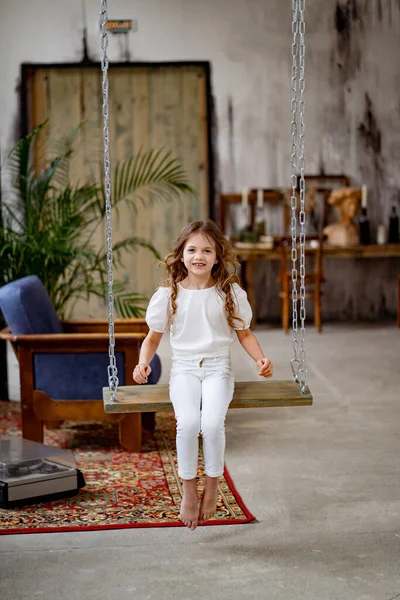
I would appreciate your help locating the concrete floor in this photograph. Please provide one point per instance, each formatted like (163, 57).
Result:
(323, 482)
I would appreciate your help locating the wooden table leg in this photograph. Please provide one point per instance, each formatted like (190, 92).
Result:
(251, 289)
(32, 427)
(130, 432)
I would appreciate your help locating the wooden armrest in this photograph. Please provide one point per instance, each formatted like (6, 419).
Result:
(72, 342)
(101, 326)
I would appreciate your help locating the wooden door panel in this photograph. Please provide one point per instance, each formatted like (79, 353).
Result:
(151, 106)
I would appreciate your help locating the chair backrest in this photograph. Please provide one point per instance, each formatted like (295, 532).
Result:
(270, 197)
(314, 268)
(27, 308)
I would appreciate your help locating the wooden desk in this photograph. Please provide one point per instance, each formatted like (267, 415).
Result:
(250, 255)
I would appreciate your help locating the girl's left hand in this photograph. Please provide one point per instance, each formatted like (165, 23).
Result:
(266, 367)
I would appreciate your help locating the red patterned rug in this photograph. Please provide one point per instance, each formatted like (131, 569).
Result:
(122, 490)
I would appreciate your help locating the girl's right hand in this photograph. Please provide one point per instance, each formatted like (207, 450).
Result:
(141, 373)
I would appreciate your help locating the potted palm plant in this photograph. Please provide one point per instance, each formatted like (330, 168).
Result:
(49, 225)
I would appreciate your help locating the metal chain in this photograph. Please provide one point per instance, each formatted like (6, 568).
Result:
(302, 215)
(298, 79)
(295, 362)
(112, 368)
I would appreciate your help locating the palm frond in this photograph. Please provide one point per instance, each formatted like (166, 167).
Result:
(156, 171)
(38, 190)
(71, 210)
(19, 168)
(12, 217)
(127, 304)
(63, 147)
(132, 244)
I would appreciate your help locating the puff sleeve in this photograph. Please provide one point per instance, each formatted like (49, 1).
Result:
(158, 310)
(243, 308)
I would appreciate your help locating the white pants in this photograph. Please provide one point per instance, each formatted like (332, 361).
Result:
(200, 392)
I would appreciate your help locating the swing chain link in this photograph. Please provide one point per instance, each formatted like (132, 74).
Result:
(295, 363)
(112, 367)
(302, 215)
(298, 79)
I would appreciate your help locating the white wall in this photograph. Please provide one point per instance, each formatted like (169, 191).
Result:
(352, 68)
(248, 44)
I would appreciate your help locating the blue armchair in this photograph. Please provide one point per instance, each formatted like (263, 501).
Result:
(63, 364)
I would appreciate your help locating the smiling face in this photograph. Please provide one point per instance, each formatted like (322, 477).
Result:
(199, 256)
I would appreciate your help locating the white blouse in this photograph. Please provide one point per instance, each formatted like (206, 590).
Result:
(200, 327)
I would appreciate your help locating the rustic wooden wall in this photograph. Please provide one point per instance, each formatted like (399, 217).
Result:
(150, 107)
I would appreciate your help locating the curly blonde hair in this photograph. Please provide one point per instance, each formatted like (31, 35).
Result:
(224, 273)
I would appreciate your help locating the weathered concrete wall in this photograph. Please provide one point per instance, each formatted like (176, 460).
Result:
(353, 118)
(353, 97)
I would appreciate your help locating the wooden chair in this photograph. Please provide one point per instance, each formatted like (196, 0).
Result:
(63, 364)
(270, 196)
(313, 280)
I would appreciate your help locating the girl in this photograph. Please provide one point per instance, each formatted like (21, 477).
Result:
(203, 306)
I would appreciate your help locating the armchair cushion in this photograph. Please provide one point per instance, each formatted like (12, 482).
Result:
(81, 376)
(27, 308)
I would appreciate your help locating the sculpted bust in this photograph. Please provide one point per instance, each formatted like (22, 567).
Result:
(345, 231)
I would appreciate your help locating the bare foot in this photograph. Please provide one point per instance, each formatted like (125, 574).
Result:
(208, 504)
(189, 510)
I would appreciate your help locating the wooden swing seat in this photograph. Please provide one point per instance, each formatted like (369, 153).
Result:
(252, 394)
